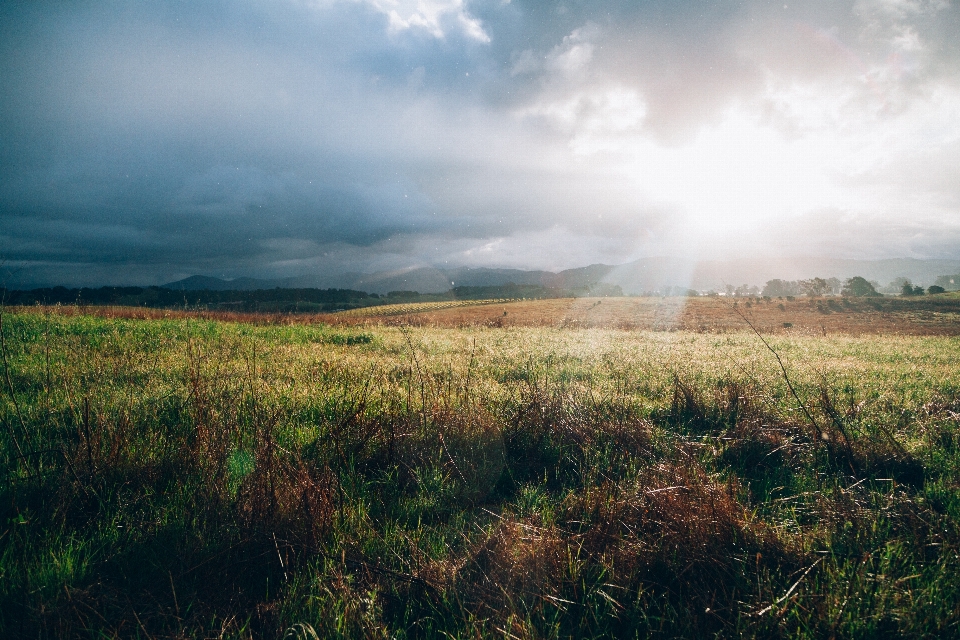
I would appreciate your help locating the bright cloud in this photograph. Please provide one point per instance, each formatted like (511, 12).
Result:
(433, 16)
(318, 135)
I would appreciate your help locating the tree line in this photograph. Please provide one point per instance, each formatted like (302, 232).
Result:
(856, 286)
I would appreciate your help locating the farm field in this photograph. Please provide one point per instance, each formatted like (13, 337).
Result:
(608, 467)
(414, 308)
(914, 316)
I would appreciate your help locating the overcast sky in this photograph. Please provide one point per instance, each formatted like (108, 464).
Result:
(145, 141)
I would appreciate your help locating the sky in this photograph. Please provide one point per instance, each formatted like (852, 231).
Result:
(141, 142)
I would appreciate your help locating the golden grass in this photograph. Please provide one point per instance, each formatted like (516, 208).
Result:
(803, 316)
(408, 308)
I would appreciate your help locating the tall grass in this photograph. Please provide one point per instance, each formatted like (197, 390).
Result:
(184, 478)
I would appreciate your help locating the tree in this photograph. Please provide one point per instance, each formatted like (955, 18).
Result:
(859, 287)
(907, 289)
(932, 289)
(897, 286)
(815, 287)
(778, 288)
(949, 283)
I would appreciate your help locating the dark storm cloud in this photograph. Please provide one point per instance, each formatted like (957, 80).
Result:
(291, 136)
(178, 133)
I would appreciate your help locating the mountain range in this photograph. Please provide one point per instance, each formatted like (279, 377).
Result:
(640, 276)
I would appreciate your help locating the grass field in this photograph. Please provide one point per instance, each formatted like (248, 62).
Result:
(923, 315)
(578, 468)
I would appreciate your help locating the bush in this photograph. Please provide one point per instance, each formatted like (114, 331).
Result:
(909, 289)
(859, 287)
(932, 289)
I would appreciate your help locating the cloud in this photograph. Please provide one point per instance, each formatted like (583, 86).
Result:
(436, 17)
(311, 136)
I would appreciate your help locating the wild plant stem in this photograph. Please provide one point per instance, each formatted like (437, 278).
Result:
(783, 370)
(13, 395)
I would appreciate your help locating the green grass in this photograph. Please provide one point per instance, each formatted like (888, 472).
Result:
(189, 478)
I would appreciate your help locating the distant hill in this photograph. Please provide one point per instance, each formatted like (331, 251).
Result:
(206, 283)
(640, 276)
(433, 280)
(428, 280)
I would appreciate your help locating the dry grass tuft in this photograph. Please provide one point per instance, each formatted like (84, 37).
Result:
(675, 539)
(289, 500)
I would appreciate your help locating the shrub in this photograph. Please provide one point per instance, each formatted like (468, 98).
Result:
(858, 286)
(910, 289)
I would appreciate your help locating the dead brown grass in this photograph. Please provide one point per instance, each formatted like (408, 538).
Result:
(675, 531)
(805, 316)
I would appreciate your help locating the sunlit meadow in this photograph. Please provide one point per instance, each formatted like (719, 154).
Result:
(194, 478)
